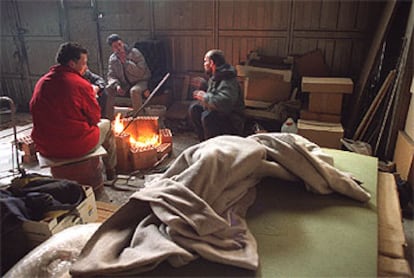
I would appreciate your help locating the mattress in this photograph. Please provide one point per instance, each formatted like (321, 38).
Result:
(300, 233)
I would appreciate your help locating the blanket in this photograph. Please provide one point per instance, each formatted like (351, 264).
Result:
(198, 206)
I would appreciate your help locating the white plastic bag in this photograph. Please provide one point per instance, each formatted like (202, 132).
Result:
(54, 257)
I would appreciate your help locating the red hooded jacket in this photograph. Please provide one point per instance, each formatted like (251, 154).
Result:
(65, 114)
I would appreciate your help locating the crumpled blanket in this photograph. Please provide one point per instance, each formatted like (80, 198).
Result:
(198, 206)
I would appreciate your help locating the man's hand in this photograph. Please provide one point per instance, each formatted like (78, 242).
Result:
(146, 93)
(120, 91)
(95, 89)
(199, 95)
(122, 57)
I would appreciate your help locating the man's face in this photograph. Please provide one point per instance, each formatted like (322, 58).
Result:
(118, 47)
(208, 65)
(80, 65)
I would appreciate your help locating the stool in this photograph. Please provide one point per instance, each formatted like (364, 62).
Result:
(86, 170)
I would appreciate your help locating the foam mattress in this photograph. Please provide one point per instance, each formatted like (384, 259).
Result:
(302, 234)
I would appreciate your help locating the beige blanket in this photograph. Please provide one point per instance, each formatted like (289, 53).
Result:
(197, 207)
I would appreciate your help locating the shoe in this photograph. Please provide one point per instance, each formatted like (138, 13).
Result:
(110, 174)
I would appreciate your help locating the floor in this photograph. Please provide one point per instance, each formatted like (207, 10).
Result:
(116, 192)
(119, 191)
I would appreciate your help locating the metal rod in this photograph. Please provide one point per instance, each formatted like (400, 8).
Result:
(13, 121)
(148, 99)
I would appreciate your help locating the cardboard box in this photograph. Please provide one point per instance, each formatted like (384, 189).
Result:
(265, 86)
(326, 93)
(403, 154)
(325, 103)
(39, 231)
(323, 134)
(331, 85)
(321, 117)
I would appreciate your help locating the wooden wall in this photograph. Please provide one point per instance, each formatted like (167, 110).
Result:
(31, 32)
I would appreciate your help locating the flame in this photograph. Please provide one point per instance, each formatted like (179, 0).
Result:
(146, 139)
(118, 125)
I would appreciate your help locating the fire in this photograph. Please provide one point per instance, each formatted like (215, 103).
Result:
(118, 125)
(144, 141)
(145, 138)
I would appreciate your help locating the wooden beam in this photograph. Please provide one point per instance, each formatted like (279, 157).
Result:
(369, 115)
(370, 61)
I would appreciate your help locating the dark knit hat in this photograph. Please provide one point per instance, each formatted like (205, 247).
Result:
(112, 38)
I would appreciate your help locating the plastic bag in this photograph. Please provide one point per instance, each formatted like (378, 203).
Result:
(357, 146)
(55, 256)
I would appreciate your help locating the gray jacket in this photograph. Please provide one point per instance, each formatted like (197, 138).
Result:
(133, 71)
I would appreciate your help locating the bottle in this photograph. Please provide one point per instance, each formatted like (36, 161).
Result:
(289, 126)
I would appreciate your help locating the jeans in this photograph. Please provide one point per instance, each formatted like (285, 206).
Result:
(102, 102)
(210, 124)
(135, 93)
(107, 141)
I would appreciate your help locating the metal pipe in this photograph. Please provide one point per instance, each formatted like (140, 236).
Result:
(13, 122)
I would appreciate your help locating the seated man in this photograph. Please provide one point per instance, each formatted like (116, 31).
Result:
(127, 73)
(98, 85)
(66, 114)
(220, 109)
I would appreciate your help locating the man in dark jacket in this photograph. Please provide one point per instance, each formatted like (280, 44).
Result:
(220, 109)
(98, 85)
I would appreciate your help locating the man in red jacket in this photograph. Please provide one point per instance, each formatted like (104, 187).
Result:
(66, 115)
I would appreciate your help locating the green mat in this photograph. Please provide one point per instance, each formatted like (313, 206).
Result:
(301, 234)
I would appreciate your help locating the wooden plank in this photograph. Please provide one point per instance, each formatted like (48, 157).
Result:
(388, 11)
(393, 267)
(105, 210)
(409, 122)
(404, 154)
(369, 115)
(329, 13)
(45, 162)
(398, 85)
(390, 218)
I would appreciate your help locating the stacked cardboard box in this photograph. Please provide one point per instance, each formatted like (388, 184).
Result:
(321, 121)
(323, 134)
(264, 87)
